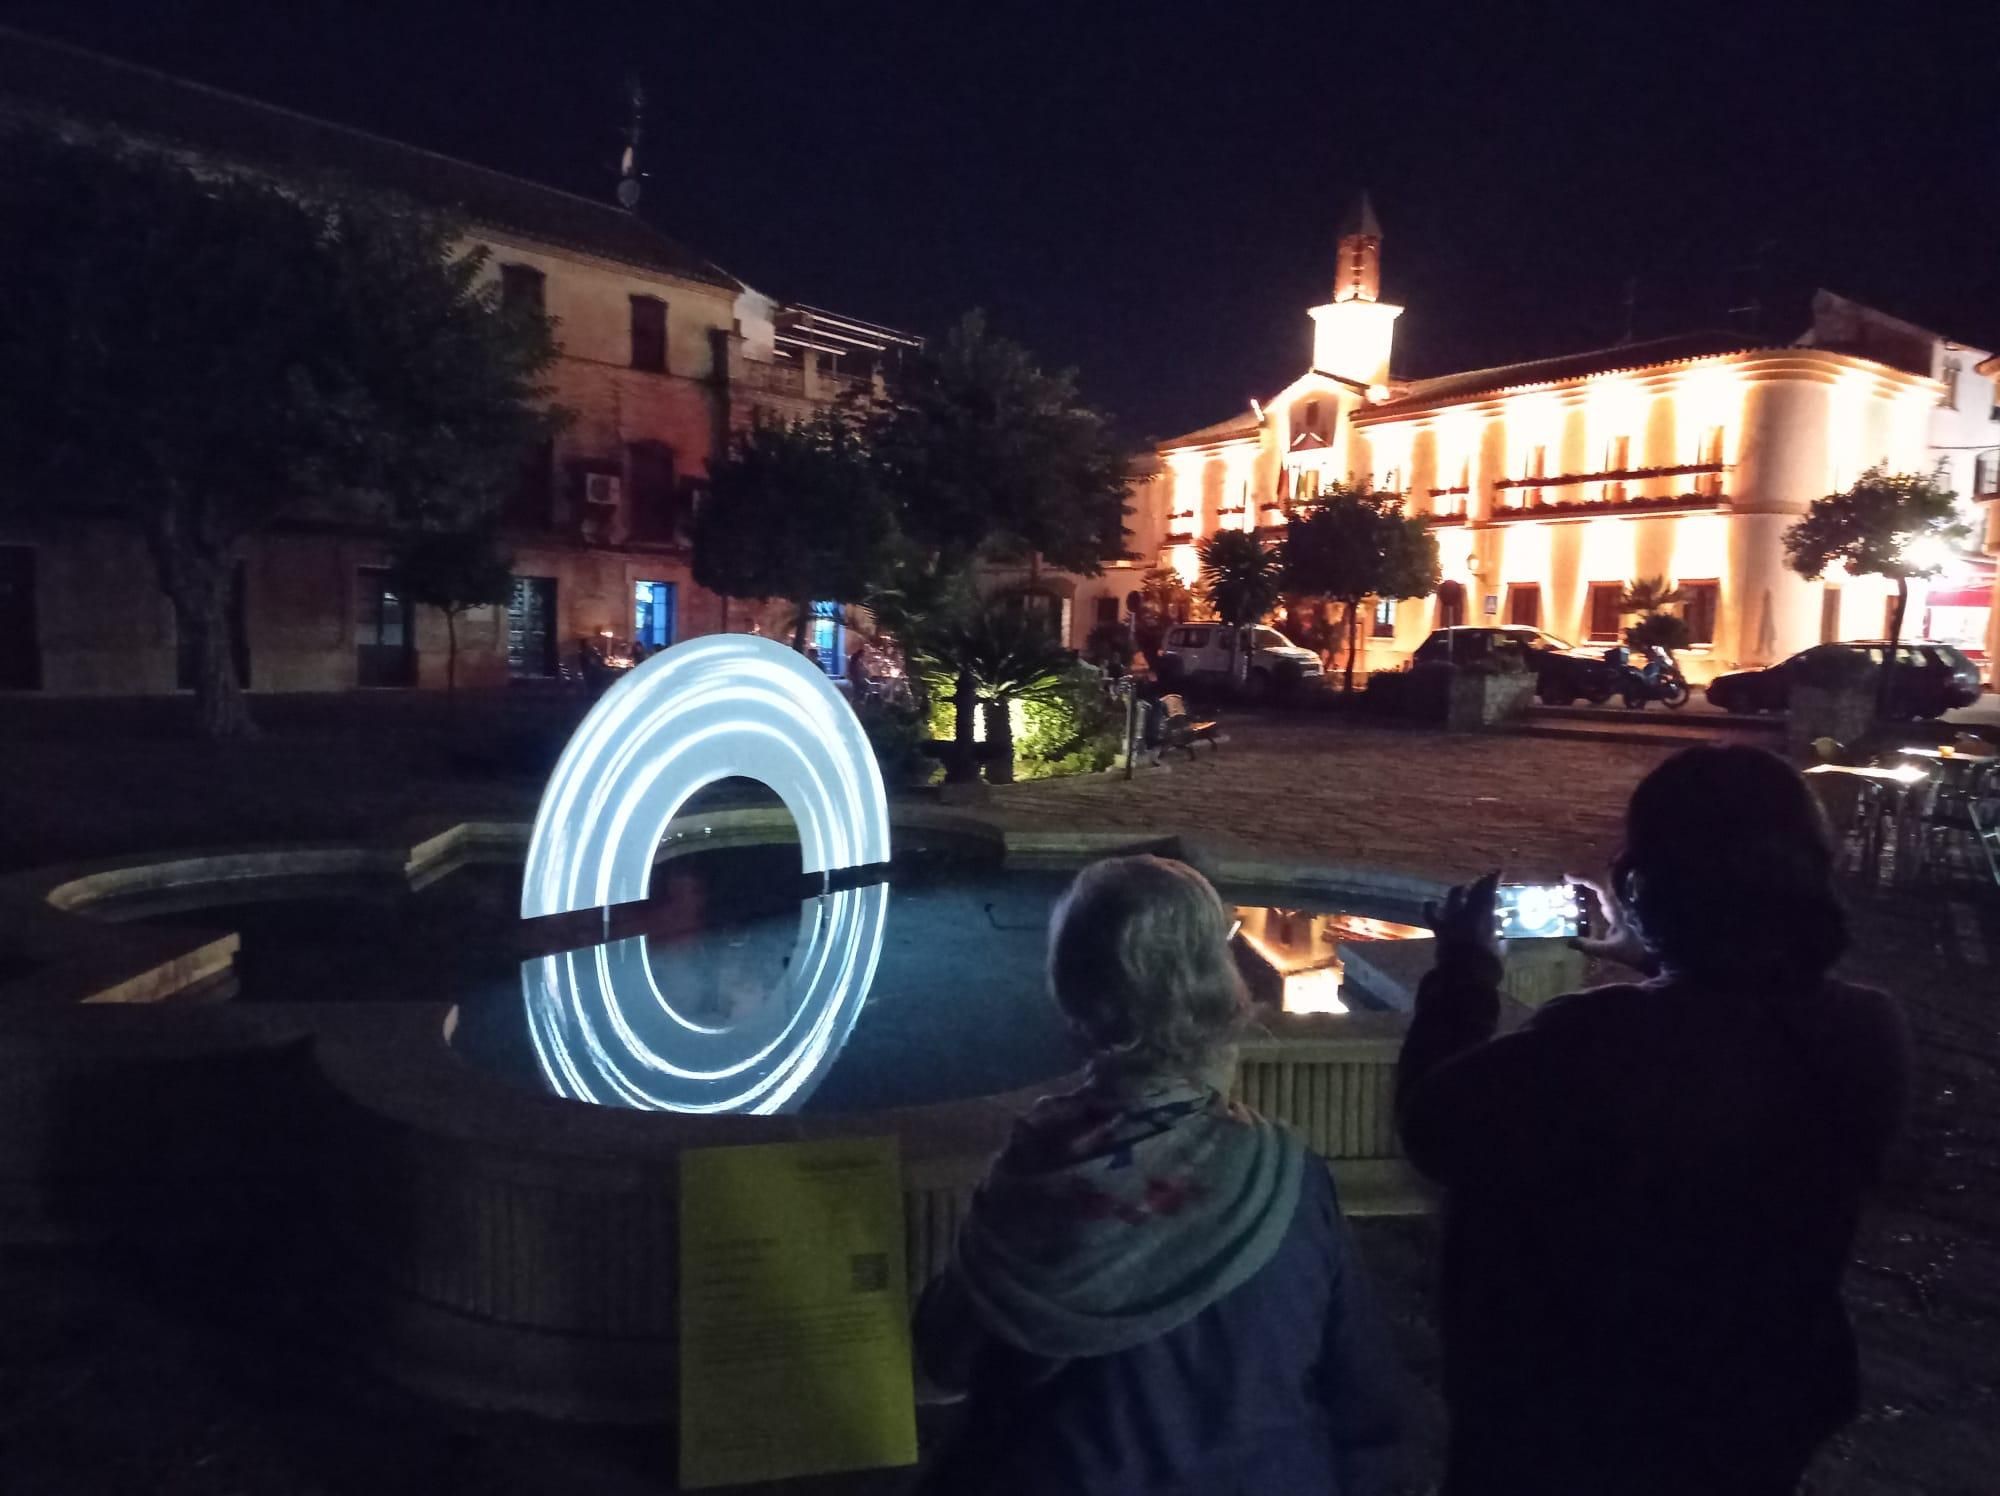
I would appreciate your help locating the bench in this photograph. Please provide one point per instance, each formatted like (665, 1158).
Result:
(1179, 730)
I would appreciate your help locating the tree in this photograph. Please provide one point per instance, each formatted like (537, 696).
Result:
(1164, 600)
(203, 355)
(1895, 525)
(1650, 597)
(1350, 545)
(798, 512)
(1243, 578)
(453, 571)
(988, 458)
(1004, 651)
(991, 458)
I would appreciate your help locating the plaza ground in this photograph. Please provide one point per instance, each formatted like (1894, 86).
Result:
(125, 1374)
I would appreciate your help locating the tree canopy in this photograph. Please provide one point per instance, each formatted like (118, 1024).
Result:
(203, 354)
(1350, 545)
(988, 456)
(452, 571)
(795, 511)
(1893, 525)
(1242, 576)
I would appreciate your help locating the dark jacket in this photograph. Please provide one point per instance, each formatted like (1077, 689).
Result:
(1284, 1385)
(1651, 1196)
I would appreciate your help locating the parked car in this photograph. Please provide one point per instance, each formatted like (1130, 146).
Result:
(1195, 650)
(1563, 672)
(1930, 678)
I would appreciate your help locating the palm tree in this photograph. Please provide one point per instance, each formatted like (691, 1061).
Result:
(1242, 578)
(1003, 652)
(1649, 595)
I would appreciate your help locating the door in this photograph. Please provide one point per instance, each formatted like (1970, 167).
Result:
(653, 614)
(385, 653)
(1524, 604)
(187, 668)
(20, 645)
(1451, 606)
(828, 646)
(531, 627)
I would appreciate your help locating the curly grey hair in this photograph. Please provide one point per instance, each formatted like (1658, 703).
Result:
(1140, 965)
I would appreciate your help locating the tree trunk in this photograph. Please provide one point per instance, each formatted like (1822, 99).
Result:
(801, 624)
(1353, 628)
(1885, 687)
(450, 655)
(999, 742)
(198, 587)
(963, 766)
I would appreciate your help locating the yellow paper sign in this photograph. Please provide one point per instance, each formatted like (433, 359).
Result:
(795, 1326)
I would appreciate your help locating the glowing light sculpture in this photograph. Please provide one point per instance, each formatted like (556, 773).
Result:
(726, 706)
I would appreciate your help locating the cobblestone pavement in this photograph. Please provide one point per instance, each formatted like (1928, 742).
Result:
(1421, 802)
(117, 1381)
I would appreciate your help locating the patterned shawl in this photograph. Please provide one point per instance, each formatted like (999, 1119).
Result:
(1123, 1209)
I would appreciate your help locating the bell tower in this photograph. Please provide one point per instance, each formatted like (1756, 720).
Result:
(1353, 334)
(1359, 276)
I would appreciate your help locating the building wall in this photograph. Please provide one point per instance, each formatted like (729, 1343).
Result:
(1793, 425)
(104, 626)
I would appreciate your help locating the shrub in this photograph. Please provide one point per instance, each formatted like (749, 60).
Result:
(1668, 630)
(1073, 729)
(897, 734)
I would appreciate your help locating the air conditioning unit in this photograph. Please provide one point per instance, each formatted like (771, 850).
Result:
(601, 488)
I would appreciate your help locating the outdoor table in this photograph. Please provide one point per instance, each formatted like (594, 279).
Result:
(1956, 807)
(1900, 784)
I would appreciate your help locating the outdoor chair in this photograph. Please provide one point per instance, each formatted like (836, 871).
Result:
(1857, 813)
(1965, 820)
(1179, 730)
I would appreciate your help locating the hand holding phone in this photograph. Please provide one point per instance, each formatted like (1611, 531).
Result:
(1537, 911)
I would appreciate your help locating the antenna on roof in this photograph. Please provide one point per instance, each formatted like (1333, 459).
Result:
(1631, 308)
(1749, 312)
(629, 175)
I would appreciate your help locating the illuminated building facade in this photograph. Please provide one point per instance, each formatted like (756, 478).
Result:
(1552, 483)
(661, 355)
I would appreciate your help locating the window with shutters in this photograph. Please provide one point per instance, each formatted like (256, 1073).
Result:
(523, 287)
(1700, 601)
(649, 334)
(654, 508)
(1603, 615)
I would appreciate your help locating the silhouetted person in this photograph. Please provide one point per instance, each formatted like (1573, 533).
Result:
(1153, 1290)
(1652, 1189)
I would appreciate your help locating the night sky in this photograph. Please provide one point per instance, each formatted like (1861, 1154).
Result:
(1151, 193)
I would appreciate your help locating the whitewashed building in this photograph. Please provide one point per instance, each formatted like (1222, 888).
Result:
(1552, 483)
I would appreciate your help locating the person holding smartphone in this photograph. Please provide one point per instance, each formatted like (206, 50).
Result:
(1651, 1189)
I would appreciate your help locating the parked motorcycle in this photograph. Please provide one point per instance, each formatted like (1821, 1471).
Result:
(1655, 678)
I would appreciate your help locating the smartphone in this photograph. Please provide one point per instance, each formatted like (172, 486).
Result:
(1538, 911)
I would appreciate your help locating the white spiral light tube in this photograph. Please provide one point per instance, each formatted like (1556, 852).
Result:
(725, 706)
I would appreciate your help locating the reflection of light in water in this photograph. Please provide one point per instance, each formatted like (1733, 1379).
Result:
(1315, 991)
(721, 707)
(1299, 953)
(607, 1030)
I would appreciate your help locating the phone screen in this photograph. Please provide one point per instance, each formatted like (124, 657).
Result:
(1537, 911)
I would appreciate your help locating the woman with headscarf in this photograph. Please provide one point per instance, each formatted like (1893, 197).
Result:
(1153, 1290)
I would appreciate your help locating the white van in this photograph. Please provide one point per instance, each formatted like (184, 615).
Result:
(1209, 650)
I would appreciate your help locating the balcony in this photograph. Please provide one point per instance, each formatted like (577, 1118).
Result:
(1609, 475)
(1562, 509)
